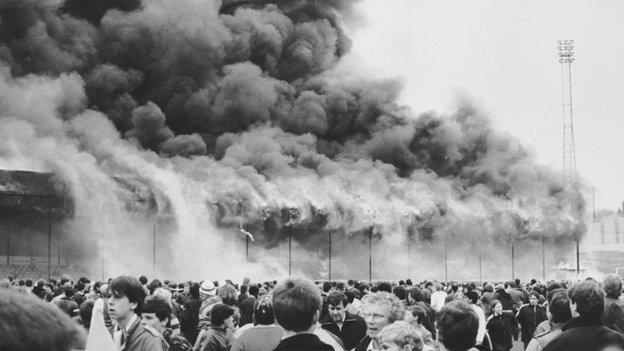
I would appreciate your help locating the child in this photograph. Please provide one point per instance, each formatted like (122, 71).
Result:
(400, 336)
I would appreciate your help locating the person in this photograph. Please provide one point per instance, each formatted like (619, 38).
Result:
(264, 335)
(472, 298)
(156, 313)
(217, 337)
(501, 326)
(417, 319)
(297, 306)
(189, 317)
(558, 314)
(457, 327)
(127, 296)
(243, 295)
(586, 330)
(208, 296)
(438, 296)
(379, 309)
(400, 336)
(30, 324)
(529, 316)
(346, 326)
(66, 302)
(613, 314)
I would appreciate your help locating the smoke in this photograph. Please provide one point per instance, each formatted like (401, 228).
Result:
(180, 126)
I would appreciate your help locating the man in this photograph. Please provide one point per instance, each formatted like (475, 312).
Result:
(243, 294)
(586, 330)
(30, 324)
(66, 302)
(264, 335)
(529, 316)
(472, 298)
(127, 296)
(558, 314)
(209, 297)
(156, 314)
(348, 327)
(613, 314)
(438, 296)
(297, 305)
(379, 309)
(457, 325)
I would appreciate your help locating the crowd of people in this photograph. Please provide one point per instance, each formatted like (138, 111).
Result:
(130, 314)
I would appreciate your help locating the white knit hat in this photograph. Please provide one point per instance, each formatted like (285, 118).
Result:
(207, 289)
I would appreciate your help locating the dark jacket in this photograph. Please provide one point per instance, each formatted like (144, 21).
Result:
(363, 344)
(529, 317)
(353, 329)
(140, 338)
(613, 315)
(189, 319)
(303, 342)
(500, 329)
(585, 333)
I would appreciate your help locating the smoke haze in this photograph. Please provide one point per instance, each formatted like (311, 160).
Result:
(181, 125)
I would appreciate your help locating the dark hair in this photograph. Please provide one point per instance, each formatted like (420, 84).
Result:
(400, 292)
(129, 287)
(86, 309)
(351, 294)
(68, 290)
(243, 289)
(419, 313)
(194, 290)
(534, 293)
(296, 303)
(416, 294)
(612, 285)
(263, 311)
(408, 282)
(588, 296)
(220, 313)
(472, 296)
(457, 326)
(30, 324)
(253, 290)
(384, 286)
(29, 282)
(559, 307)
(336, 297)
(326, 286)
(158, 306)
(143, 279)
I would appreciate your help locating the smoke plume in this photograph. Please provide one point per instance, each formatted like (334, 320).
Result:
(187, 124)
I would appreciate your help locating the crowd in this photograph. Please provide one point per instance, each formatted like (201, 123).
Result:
(130, 314)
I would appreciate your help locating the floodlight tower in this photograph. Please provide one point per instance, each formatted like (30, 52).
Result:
(566, 57)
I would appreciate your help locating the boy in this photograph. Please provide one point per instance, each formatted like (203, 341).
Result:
(400, 336)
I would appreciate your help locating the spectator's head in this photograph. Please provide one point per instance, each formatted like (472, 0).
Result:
(253, 290)
(380, 309)
(68, 290)
(156, 313)
(326, 286)
(612, 285)
(86, 310)
(30, 324)
(227, 293)
(559, 308)
(296, 304)
(127, 296)
(29, 283)
(243, 289)
(400, 336)
(143, 280)
(207, 289)
(497, 307)
(194, 291)
(472, 297)
(533, 298)
(263, 310)
(222, 315)
(457, 326)
(384, 286)
(400, 292)
(586, 299)
(419, 314)
(337, 303)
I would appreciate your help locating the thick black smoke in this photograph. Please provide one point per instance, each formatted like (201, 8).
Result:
(245, 91)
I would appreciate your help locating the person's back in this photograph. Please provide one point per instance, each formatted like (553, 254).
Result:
(265, 335)
(297, 305)
(30, 324)
(586, 331)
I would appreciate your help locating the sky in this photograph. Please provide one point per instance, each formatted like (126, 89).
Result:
(503, 56)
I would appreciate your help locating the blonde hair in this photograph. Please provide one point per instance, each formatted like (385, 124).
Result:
(401, 333)
(397, 310)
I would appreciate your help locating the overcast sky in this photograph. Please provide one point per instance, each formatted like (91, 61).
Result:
(503, 54)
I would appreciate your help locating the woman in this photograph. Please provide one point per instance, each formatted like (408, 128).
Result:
(501, 325)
